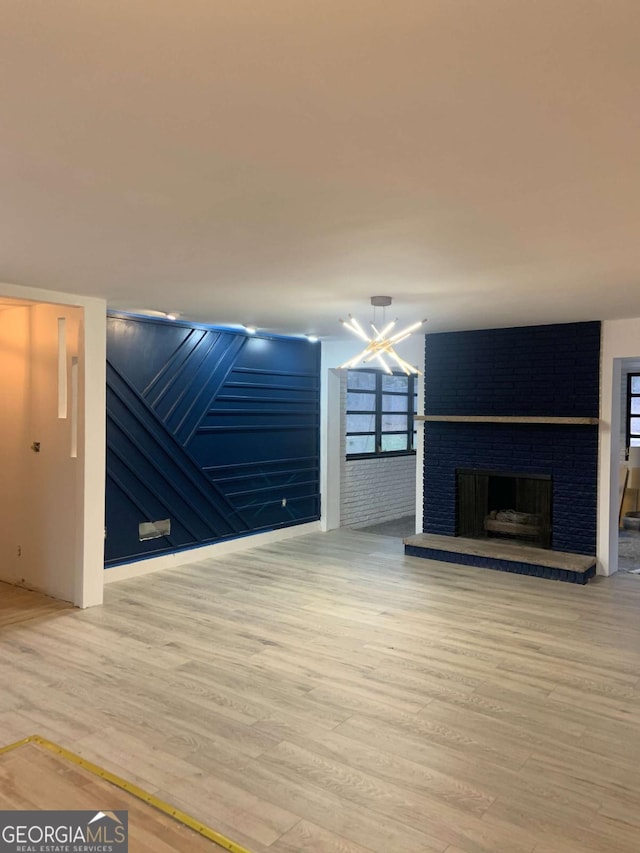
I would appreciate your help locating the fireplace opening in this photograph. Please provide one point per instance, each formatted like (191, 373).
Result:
(504, 506)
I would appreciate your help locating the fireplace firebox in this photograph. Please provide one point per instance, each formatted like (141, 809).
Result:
(504, 505)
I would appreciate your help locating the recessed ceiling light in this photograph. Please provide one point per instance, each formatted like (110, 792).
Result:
(251, 329)
(146, 312)
(313, 338)
(172, 315)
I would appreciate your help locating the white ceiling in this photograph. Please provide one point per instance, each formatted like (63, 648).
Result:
(280, 162)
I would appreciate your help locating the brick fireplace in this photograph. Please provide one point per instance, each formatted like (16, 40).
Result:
(522, 403)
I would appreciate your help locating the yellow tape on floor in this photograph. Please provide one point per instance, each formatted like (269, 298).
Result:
(132, 789)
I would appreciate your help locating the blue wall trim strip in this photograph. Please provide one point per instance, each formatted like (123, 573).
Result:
(179, 446)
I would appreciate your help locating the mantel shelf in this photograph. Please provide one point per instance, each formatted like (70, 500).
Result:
(504, 419)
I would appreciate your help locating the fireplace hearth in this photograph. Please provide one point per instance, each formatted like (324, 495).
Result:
(504, 505)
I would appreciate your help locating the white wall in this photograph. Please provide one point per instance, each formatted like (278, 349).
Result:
(40, 500)
(50, 528)
(620, 340)
(92, 451)
(334, 353)
(14, 433)
(57, 517)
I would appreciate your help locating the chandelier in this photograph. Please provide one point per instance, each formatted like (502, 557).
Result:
(381, 344)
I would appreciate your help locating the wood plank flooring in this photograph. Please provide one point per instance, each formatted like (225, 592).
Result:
(33, 778)
(329, 694)
(21, 605)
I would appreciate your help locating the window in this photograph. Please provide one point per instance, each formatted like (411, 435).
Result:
(633, 410)
(380, 410)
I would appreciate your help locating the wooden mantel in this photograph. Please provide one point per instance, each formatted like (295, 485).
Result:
(504, 419)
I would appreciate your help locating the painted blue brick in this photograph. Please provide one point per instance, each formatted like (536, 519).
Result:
(554, 368)
(540, 370)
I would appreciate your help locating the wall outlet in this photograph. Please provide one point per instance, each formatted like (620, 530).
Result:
(19, 549)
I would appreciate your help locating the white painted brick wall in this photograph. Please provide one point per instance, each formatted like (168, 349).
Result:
(373, 490)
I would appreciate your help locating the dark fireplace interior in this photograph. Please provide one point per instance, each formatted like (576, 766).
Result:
(515, 507)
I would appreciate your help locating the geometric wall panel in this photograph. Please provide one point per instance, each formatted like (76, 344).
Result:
(214, 429)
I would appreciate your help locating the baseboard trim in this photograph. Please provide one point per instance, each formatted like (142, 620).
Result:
(204, 552)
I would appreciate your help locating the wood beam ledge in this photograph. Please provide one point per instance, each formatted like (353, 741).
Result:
(505, 419)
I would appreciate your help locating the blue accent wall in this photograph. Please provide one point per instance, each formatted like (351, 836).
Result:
(536, 371)
(211, 428)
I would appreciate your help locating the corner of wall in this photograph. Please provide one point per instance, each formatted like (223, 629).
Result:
(62, 521)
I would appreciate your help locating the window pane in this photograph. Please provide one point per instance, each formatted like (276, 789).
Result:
(396, 423)
(395, 383)
(635, 442)
(361, 423)
(394, 403)
(634, 424)
(361, 443)
(394, 442)
(361, 379)
(361, 402)
(635, 405)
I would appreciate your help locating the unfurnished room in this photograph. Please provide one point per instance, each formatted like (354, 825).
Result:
(320, 420)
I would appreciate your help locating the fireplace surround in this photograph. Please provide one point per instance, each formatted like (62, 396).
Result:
(519, 404)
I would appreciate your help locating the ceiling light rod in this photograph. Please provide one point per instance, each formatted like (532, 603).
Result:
(379, 344)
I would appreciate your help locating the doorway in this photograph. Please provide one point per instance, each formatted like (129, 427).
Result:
(378, 451)
(52, 449)
(629, 468)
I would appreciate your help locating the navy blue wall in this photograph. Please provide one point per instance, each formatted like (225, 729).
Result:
(211, 428)
(536, 371)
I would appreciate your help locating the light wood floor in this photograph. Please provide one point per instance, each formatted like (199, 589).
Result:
(329, 694)
(33, 778)
(22, 605)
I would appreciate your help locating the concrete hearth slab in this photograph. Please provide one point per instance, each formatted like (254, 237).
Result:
(503, 556)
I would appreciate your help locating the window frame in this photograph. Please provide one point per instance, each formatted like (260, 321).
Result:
(378, 393)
